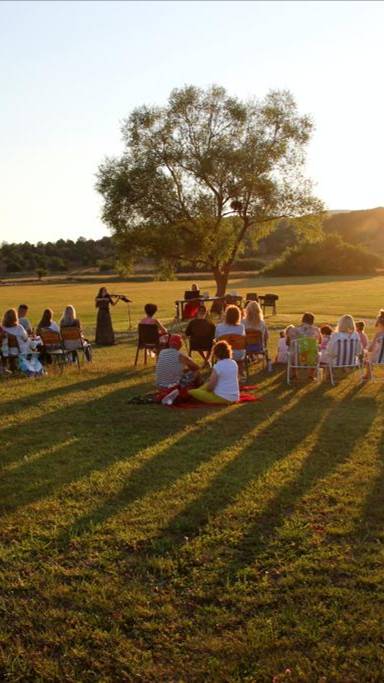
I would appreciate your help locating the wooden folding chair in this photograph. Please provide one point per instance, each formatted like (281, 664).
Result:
(54, 348)
(148, 340)
(73, 341)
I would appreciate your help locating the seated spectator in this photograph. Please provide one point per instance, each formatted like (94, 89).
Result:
(23, 320)
(175, 371)
(375, 346)
(47, 322)
(360, 327)
(326, 331)
(11, 326)
(69, 319)
(150, 310)
(223, 384)
(191, 307)
(232, 325)
(253, 321)
(201, 332)
(282, 348)
(345, 330)
(306, 329)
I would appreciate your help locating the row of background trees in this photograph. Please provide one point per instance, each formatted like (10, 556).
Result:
(282, 252)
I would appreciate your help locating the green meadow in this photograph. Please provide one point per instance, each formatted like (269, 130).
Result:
(235, 544)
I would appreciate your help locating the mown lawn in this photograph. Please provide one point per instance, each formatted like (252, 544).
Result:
(140, 543)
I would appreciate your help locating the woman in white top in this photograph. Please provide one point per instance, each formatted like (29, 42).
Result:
(223, 384)
(345, 331)
(232, 325)
(12, 327)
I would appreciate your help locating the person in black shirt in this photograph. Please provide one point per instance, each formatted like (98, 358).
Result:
(201, 333)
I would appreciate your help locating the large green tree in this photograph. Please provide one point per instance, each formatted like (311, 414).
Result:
(199, 174)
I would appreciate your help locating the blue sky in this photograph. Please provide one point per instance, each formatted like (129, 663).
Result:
(70, 72)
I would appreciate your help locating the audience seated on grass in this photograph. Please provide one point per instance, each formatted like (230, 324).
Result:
(201, 333)
(375, 349)
(22, 312)
(175, 371)
(150, 310)
(223, 384)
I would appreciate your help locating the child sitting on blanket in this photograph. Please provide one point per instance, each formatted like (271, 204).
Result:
(223, 384)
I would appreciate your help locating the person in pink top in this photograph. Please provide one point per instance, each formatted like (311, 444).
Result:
(360, 326)
(150, 310)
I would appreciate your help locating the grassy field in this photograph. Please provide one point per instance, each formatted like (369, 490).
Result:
(142, 543)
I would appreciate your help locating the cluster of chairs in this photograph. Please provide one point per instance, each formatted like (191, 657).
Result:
(304, 354)
(253, 343)
(61, 348)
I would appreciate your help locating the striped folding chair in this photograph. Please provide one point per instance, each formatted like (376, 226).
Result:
(378, 363)
(348, 355)
(303, 353)
(255, 347)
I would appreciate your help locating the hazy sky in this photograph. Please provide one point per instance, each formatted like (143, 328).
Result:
(71, 71)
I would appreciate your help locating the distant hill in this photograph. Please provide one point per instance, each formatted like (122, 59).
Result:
(365, 228)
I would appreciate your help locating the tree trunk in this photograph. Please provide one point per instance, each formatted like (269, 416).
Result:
(221, 276)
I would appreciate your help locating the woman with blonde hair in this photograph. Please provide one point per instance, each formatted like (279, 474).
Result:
(69, 318)
(232, 325)
(254, 319)
(345, 331)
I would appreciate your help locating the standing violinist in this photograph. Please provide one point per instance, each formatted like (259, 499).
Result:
(104, 330)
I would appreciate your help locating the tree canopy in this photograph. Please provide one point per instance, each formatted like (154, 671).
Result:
(201, 173)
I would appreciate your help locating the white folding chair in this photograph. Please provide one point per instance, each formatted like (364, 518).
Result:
(303, 353)
(348, 355)
(379, 363)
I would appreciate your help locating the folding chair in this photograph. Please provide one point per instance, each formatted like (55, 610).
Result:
(237, 343)
(303, 353)
(269, 301)
(148, 340)
(73, 341)
(378, 363)
(255, 346)
(54, 349)
(13, 351)
(348, 355)
(202, 344)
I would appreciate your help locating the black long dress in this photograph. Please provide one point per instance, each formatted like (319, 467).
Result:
(104, 330)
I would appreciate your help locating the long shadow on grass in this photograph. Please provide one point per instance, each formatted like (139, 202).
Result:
(183, 457)
(78, 384)
(102, 431)
(325, 456)
(270, 445)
